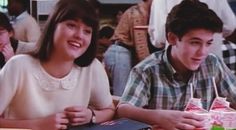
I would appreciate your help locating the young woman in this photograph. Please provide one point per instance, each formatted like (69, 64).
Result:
(61, 83)
(8, 45)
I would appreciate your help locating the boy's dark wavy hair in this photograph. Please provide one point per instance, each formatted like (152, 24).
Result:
(192, 14)
(69, 10)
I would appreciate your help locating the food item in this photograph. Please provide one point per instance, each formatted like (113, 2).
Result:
(195, 106)
(222, 115)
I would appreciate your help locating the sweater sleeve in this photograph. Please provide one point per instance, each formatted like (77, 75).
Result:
(8, 83)
(100, 93)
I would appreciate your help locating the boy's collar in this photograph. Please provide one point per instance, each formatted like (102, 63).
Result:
(166, 59)
(172, 70)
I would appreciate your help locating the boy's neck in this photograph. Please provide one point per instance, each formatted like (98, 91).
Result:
(177, 65)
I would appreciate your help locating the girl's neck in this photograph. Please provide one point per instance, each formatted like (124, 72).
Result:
(57, 68)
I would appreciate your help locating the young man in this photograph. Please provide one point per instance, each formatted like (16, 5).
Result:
(158, 88)
(161, 8)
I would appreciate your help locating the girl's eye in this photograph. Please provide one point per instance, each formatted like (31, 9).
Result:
(71, 25)
(88, 31)
(2, 32)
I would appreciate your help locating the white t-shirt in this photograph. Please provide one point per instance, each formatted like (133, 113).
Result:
(25, 47)
(27, 91)
(26, 28)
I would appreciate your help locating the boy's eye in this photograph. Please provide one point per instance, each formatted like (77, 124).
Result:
(209, 43)
(195, 42)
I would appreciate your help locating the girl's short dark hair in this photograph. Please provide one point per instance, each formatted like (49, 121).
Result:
(69, 10)
(192, 14)
(5, 22)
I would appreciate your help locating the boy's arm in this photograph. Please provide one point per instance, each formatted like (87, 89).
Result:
(167, 119)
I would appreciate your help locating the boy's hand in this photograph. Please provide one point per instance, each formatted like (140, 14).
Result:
(178, 120)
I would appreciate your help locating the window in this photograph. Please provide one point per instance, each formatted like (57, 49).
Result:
(3, 6)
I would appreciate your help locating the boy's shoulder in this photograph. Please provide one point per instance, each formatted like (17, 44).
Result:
(212, 63)
(212, 59)
(153, 61)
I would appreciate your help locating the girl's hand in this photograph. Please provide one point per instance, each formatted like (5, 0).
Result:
(1, 46)
(57, 121)
(78, 115)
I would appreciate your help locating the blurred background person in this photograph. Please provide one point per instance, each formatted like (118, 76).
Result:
(118, 17)
(96, 5)
(104, 35)
(25, 26)
(130, 45)
(8, 45)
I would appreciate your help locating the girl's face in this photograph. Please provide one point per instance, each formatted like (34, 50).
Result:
(71, 39)
(4, 37)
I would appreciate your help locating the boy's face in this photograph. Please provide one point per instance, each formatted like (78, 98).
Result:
(191, 50)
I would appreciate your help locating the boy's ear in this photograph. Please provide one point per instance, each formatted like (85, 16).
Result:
(172, 38)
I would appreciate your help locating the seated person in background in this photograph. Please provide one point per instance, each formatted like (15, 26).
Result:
(25, 26)
(130, 45)
(229, 55)
(105, 33)
(8, 45)
(158, 88)
(61, 83)
(232, 37)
